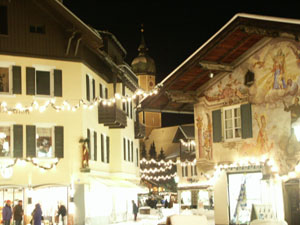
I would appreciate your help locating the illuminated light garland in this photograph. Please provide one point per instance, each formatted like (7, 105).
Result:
(157, 178)
(35, 161)
(155, 170)
(168, 163)
(188, 143)
(66, 106)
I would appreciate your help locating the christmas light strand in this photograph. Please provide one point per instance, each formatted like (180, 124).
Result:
(45, 164)
(155, 170)
(188, 143)
(157, 178)
(168, 163)
(66, 106)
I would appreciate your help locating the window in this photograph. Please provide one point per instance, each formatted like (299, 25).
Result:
(87, 83)
(107, 149)
(44, 142)
(4, 80)
(124, 148)
(46, 82)
(3, 20)
(128, 149)
(38, 29)
(131, 151)
(193, 170)
(42, 82)
(103, 91)
(232, 123)
(244, 187)
(5, 141)
(137, 157)
(184, 171)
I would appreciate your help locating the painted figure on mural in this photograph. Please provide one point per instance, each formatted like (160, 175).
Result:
(279, 70)
(207, 135)
(294, 109)
(262, 137)
(199, 128)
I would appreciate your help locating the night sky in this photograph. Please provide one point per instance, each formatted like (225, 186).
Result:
(173, 29)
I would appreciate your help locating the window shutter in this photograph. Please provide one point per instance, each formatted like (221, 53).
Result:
(102, 148)
(137, 157)
(192, 174)
(106, 93)
(94, 93)
(128, 150)
(101, 90)
(124, 148)
(58, 83)
(217, 125)
(182, 171)
(59, 141)
(30, 141)
(107, 149)
(131, 151)
(127, 106)
(186, 171)
(87, 83)
(30, 81)
(17, 81)
(18, 141)
(130, 104)
(95, 145)
(246, 121)
(89, 141)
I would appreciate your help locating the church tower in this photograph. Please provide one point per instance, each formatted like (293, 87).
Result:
(144, 67)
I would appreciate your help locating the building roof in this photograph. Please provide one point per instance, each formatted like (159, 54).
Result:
(224, 51)
(186, 132)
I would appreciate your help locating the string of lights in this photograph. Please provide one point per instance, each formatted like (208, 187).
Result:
(45, 164)
(66, 106)
(155, 170)
(157, 178)
(167, 163)
(188, 143)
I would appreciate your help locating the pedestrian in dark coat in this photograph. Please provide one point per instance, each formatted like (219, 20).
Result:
(135, 209)
(7, 213)
(18, 213)
(37, 215)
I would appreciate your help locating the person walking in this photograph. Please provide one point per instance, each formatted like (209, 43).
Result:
(7, 213)
(135, 210)
(18, 213)
(62, 211)
(37, 215)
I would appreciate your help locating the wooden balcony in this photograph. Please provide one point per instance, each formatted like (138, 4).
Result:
(111, 116)
(139, 130)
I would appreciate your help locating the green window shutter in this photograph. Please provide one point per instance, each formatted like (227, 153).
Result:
(128, 150)
(137, 157)
(18, 141)
(17, 80)
(88, 133)
(95, 145)
(101, 90)
(58, 83)
(130, 108)
(246, 121)
(124, 148)
(94, 93)
(30, 81)
(30, 141)
(87, 80)
(59, 141)
(102, 148)
(217, 125)
(131, 151)
(107, 149)
(106, 93)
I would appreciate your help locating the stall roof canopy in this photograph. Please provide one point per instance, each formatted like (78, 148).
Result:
(224, 51)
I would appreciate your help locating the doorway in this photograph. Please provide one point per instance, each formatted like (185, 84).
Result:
(292, 189)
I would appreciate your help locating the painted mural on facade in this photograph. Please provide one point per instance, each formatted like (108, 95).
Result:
(274, 96)
(204, 130)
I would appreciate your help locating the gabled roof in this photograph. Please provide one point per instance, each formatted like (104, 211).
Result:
(224, 51)
(186, 132)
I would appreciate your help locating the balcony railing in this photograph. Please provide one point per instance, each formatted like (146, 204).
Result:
(111, 116)
(139, 130)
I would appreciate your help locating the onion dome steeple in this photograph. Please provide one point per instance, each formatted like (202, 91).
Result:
(143, 64)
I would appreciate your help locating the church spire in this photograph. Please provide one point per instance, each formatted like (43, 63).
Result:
(142, 47)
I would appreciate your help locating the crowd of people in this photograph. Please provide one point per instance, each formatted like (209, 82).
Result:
(16, 213)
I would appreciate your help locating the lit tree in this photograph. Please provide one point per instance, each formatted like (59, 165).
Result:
(152, 151)
(161, 155)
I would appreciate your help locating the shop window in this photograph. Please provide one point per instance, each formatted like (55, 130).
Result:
(43, 82)
(5, 141)
(232, 123)
(44, 142)
(244, 191)
(3, 20)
